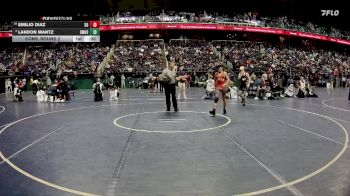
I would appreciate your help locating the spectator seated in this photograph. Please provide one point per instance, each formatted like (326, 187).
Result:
(137, 56)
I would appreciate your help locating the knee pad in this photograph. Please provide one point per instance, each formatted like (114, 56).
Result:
(216, 99)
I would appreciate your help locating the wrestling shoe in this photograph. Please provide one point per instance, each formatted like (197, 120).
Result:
(212, 112)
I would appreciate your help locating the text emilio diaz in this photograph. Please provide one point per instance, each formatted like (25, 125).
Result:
(34, 31)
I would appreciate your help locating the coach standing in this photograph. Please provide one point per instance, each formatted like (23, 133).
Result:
(169, 78)
(182, 80)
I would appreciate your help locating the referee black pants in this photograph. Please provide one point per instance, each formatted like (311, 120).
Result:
(170, 90)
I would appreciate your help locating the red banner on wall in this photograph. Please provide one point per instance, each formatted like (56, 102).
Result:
(218, 27)
(5, 34)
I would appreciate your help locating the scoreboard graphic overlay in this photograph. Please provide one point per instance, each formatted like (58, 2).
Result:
(56, 29)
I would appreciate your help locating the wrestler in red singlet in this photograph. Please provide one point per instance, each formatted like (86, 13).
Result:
(221, 83)
(221, 80)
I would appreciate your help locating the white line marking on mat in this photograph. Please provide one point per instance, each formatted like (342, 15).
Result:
(307, 131)
(28, 146)
(3, 109)
(170, 119)
(332, 107)
(274, 174)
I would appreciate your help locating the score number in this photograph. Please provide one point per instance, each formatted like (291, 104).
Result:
(84, 32)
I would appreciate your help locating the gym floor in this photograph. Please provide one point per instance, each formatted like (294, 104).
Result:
(133, 147)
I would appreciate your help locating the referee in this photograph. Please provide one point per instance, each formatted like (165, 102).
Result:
(169, 78)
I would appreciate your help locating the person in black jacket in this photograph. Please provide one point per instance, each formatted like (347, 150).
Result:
(97, 90)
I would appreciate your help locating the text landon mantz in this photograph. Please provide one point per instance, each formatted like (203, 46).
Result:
(36, 32)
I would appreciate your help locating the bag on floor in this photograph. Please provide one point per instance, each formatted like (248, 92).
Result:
(300, 94)
(232, 93)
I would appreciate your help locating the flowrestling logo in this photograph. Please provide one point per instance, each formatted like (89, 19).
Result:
(330, 12)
